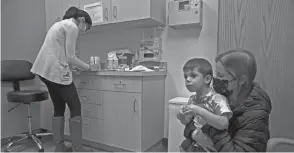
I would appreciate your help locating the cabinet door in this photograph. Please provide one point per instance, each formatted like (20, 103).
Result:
(122, 120)
(65, 4)
(107, 11)
(53, 12)
(127, 10)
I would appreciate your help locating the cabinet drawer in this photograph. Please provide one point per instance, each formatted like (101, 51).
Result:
(93, 130)
(90, 96)
(123, 84)
(87, 82)
(92, 111)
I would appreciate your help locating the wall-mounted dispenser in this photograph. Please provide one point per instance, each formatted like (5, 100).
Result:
(185, 13)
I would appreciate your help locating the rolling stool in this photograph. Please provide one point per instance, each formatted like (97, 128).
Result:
(15, 71)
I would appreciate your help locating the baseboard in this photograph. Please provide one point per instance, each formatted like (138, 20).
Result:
(108, 148)
(165, 143)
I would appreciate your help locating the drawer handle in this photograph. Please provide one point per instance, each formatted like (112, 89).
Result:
(87, 125)
(84, 98)
(120, 86)
(83, 82)
(86, 113)
(135, 106)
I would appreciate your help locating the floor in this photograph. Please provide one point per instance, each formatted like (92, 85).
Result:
(48, 144)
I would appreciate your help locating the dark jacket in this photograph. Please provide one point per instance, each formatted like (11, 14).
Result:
(249, 127)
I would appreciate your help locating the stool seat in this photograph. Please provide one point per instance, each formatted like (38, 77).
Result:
(27, 96)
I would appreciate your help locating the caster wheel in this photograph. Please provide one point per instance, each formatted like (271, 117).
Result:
(41, 150)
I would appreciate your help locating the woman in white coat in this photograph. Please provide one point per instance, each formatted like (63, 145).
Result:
(53, 66)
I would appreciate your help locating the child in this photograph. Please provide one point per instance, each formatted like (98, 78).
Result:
(205, 107)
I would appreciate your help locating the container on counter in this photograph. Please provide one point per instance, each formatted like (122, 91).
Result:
(92, 60)
(95, 62)
(112, 64)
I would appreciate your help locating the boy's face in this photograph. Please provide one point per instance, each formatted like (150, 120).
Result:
(194, 80)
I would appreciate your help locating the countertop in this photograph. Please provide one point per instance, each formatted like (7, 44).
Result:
(120, 73)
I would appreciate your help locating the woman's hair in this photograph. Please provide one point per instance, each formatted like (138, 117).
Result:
(70, 12)
(239, 62)
(75, 13)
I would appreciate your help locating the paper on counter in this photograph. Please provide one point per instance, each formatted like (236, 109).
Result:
(141, 68)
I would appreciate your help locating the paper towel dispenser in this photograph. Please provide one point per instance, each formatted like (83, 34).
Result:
(185, 13)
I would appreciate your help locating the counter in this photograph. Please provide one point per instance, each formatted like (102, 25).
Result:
(120, 73)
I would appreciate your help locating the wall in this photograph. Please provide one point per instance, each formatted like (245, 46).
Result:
(23, 30)
(265, 27)
(178, 46)
(22, 40)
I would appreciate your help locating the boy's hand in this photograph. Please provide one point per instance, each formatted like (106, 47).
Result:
(185, 119)
(191, 110)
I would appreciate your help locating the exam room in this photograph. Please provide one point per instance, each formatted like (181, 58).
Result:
(224, 24)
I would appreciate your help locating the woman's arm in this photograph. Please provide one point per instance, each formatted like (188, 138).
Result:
(70, 44)
(251, 136)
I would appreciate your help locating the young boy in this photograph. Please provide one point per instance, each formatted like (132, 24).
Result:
(205, 107)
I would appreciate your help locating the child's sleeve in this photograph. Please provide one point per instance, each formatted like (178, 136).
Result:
(220, 106)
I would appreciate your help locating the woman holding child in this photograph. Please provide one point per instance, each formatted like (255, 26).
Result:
(248, 128)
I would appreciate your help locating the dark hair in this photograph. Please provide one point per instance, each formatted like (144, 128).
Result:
(70, 13)
(239, 62)
(75, 13)
(202, 65)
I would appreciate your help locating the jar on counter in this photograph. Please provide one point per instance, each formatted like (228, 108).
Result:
(112, 64)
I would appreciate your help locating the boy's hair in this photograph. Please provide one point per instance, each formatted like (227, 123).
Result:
(202, 65)
(75, 13)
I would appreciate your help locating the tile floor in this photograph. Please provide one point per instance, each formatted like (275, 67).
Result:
(48, 144)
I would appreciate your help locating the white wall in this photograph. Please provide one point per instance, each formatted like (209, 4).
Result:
(178, 46)
(22, 33)
(24, 37)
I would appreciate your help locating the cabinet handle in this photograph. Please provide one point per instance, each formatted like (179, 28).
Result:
(86, 113)
(114, 12)
(135, 105)
(106, 14)
(120, 86)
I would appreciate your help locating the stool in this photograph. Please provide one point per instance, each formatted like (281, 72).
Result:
(15, 71)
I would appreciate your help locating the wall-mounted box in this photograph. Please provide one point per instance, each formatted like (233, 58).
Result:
(185, 13)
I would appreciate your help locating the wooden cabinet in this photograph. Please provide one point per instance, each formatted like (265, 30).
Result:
(128, 13)
(122, 122)
(123, 112)
(130, 10)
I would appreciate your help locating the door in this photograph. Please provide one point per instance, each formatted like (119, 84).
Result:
(122, 120)
(127, 10)
(65, 4)
(266, 29)
(53, 12)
